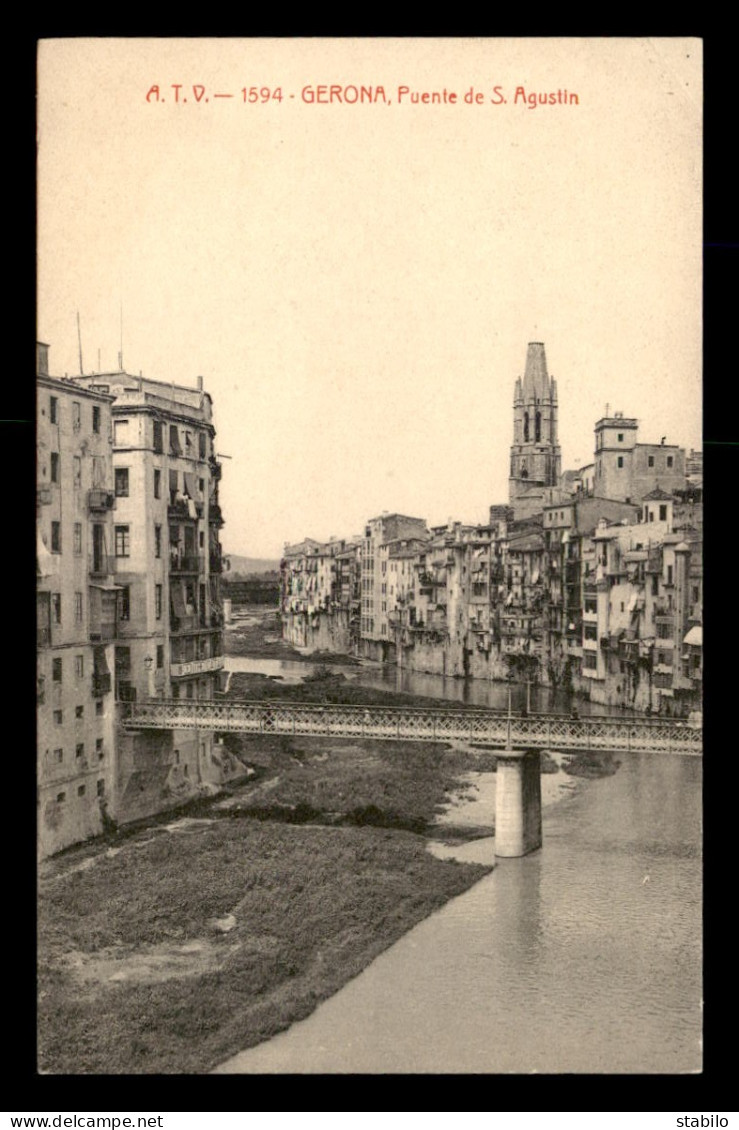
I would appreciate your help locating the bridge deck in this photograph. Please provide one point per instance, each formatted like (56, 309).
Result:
(413, 724)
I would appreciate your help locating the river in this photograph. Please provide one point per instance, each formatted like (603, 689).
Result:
(584, 957)
(474, 692)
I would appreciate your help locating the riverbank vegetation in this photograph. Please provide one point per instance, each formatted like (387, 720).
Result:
(168, 948)
(187, 946)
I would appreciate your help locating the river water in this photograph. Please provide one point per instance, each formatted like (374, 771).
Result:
(583, 957)
(474, 692)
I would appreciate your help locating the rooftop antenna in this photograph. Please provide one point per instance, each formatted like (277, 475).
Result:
(79, 342)
(120, 353)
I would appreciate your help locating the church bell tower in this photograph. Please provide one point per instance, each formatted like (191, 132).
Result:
(536, 459)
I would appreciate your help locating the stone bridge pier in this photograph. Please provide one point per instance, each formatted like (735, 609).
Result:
(517, 803)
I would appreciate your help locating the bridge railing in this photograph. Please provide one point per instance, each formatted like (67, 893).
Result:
(413, 724)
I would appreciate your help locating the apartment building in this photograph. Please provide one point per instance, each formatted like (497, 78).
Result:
(375, 633)
(320, 594)
(167, 561)
(525, 593)
(77, 611)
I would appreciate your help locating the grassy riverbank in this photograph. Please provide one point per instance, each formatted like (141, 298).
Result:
(187, 947)
(171, 947)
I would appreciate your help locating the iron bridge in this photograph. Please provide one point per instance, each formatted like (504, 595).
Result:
(417, 725)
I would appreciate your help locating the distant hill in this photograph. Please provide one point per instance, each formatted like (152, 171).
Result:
(252, 564)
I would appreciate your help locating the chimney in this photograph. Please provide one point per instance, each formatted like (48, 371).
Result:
(200, 384)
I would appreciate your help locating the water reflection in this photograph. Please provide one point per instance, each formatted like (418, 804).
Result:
(475, 692)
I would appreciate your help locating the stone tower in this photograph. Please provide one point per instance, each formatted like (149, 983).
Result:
(536, 460)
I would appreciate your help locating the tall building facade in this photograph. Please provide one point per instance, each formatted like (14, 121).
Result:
(128, 597)
(536, 459)
(167, 557)
(627, 470)
(76, 611)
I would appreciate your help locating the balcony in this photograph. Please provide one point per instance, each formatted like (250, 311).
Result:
(102, 565)
(101, 684)
(100, 501)
(184, 508)
(196, 666)
(216, 563)
(215, 514)
(186, 563)
(103, 630)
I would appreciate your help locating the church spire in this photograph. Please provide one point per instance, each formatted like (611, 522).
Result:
(536, 378)
(535, 453)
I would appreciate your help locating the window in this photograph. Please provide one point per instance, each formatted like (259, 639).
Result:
(620, 461)
(99, 748)
(160, 656)
(174, 440)
(122, 541)
(158, 438)
(56, 670)
(77, 546)
(101, 788)
(189, 690)
(79, 712)
(121, 433)
(59, 756)
(80, 790)
(95, 418)
(201, 485)
(124, 606)
(663, 513)
(175, 691)
(80, 749)
(157, 541)
(620, 437)
(158, 601)
(56, 537)
(650, 461)
(55, 466)
(79, 666)
(99, 707)
(78, 608)
(121, 482)
(201, 445)
(53, 403)
(56, 607)
(669, 460)
(201, 540)
(60, 798)
(669, 574)
(157, 483)
(58, 717)
(77, 471)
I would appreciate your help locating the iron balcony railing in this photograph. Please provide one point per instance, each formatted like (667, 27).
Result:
(101, 684)
(491, 727)
(102, 565)
(100, 500)
(186, 563)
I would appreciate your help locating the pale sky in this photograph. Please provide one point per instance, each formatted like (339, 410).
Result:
(357, 284)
